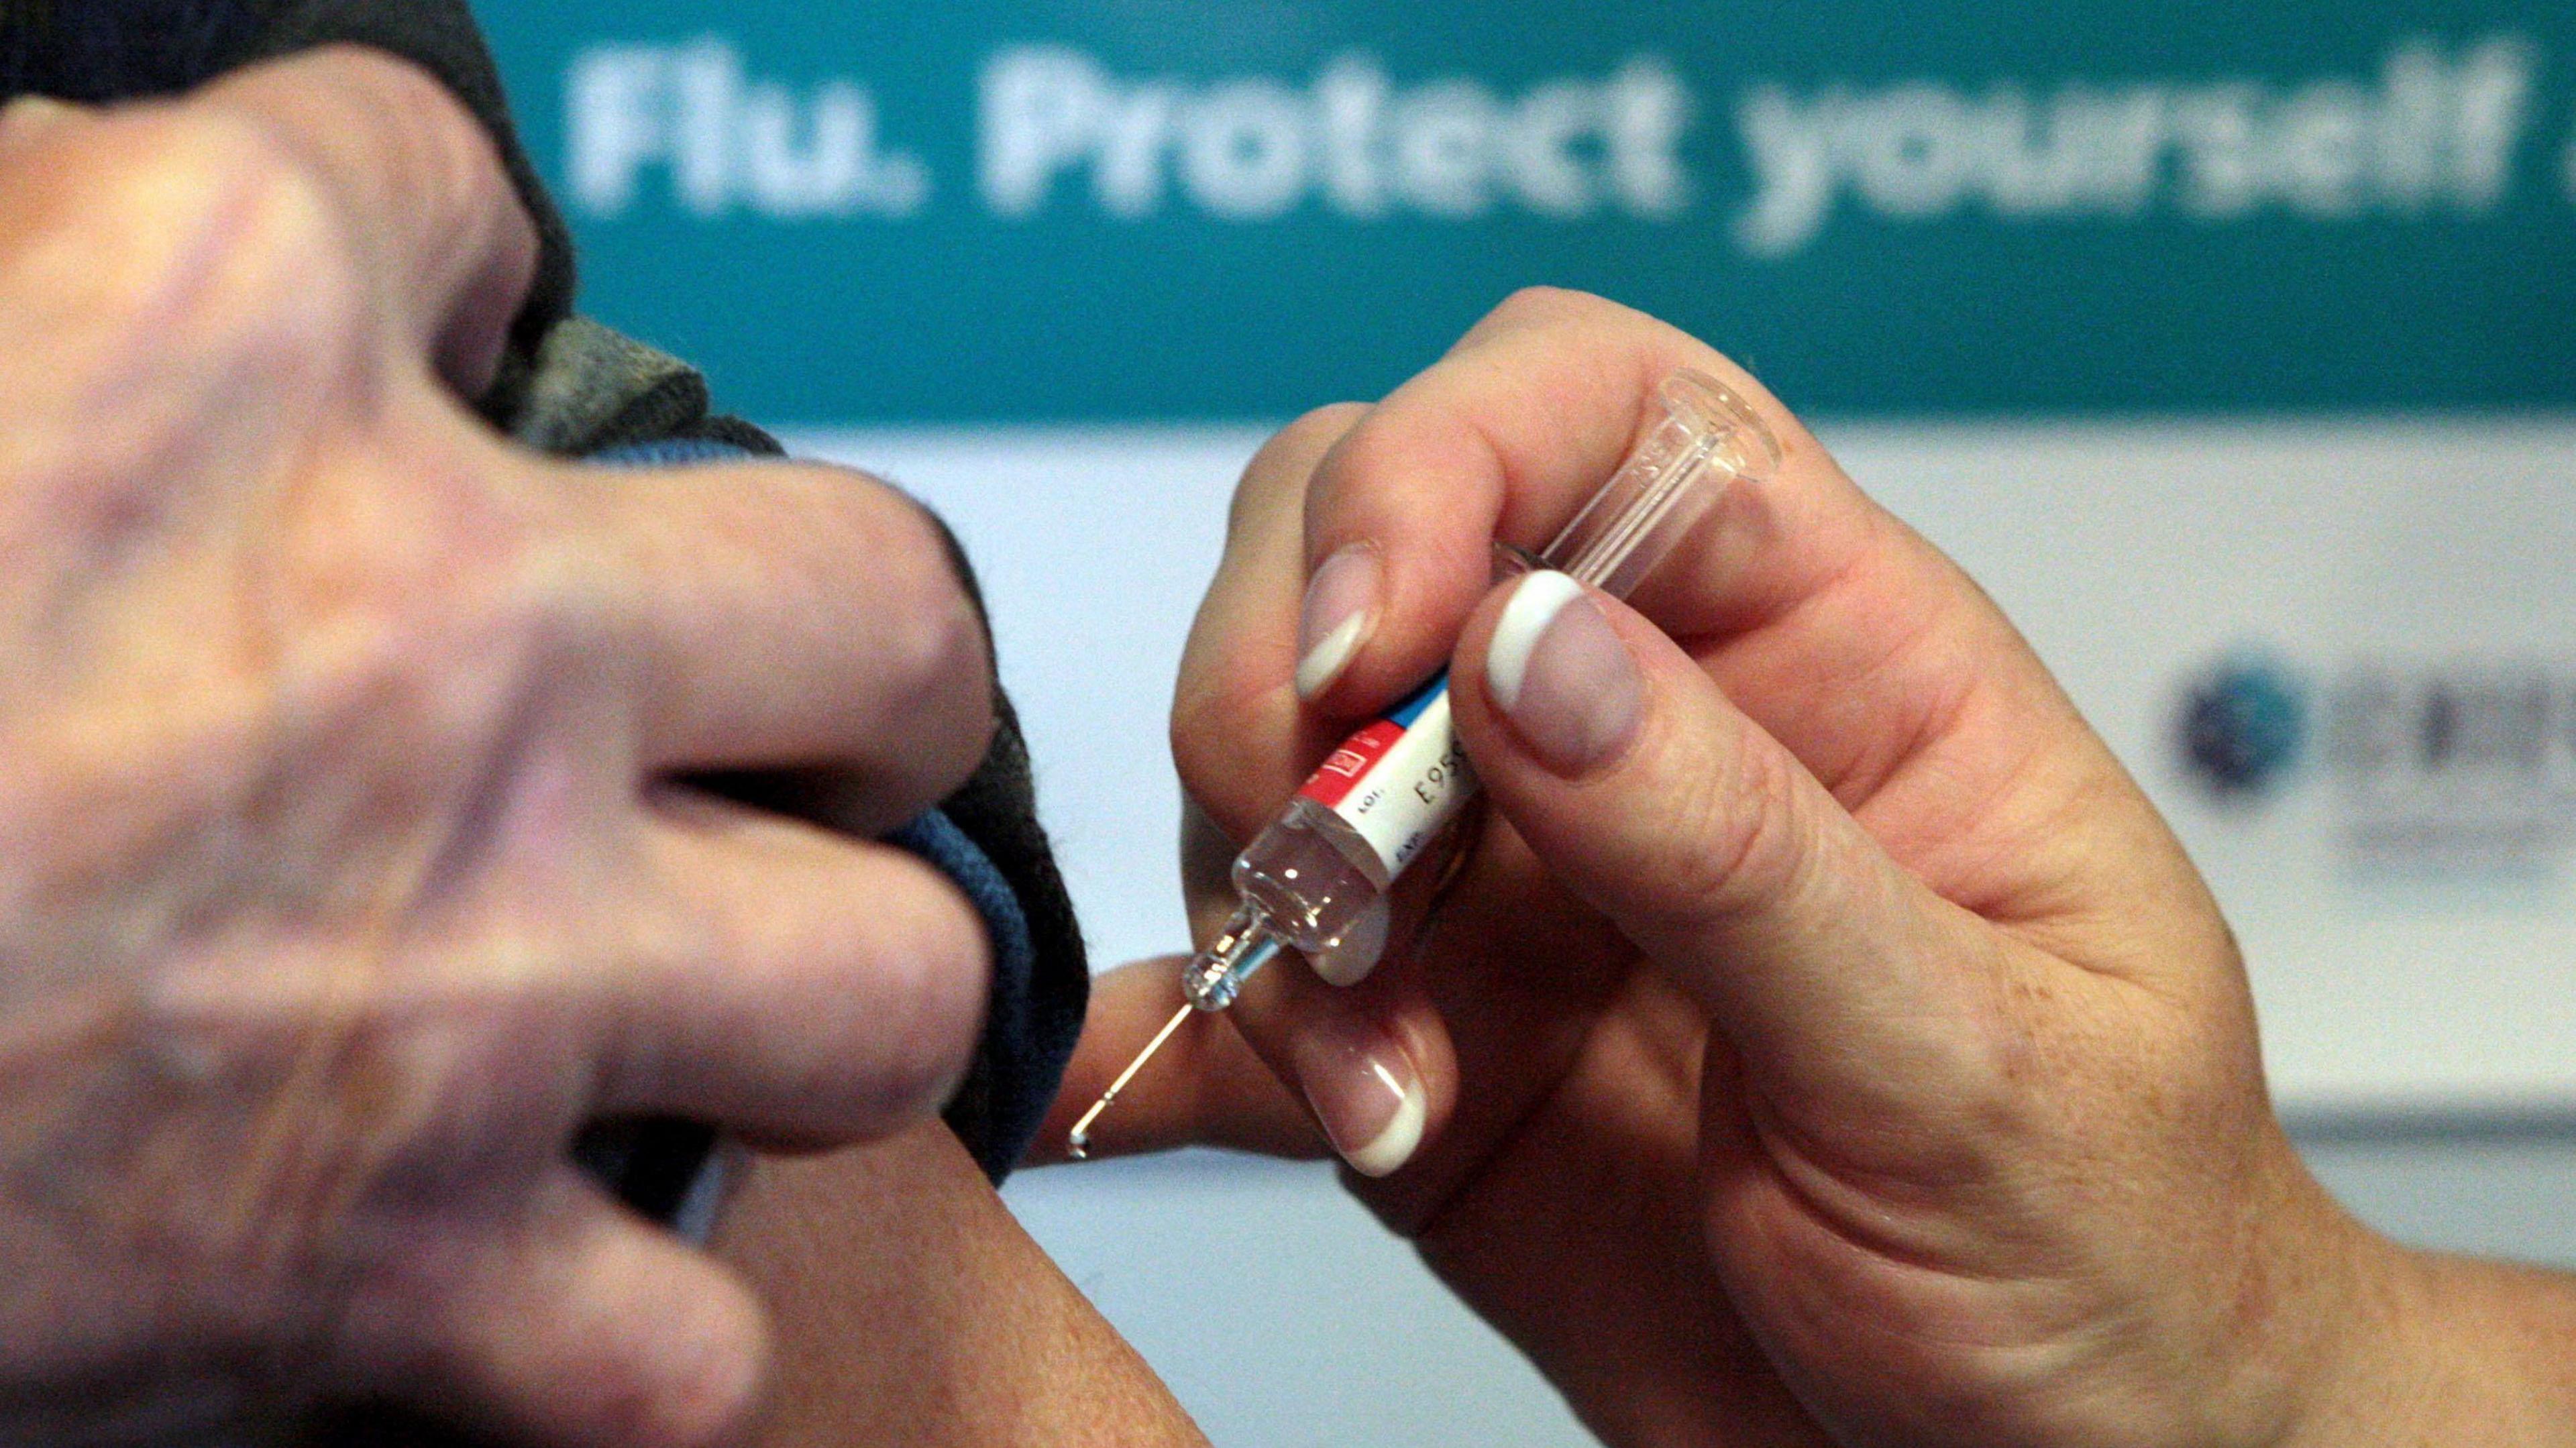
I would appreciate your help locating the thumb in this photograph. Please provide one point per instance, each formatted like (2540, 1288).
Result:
(1851, 991)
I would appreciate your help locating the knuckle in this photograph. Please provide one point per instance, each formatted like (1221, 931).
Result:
(394, 85)
(1219, 693)
(1194, 732)
(1540, 306)
(1311, 435)
(183, 260)
(1327, 422)
(932, 635)
(208, 232)
(930, 975)
(1743, 839)
(1540, 301)
(711, 1402)
(1287, 462)
(423, 631)
(1621, 336)
(437, 159)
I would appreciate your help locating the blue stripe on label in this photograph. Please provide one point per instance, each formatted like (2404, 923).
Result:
(1411, 709)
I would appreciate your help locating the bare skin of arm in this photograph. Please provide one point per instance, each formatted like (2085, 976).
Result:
(909, 1307)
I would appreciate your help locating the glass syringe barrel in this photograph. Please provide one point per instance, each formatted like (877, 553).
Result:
(1316, 877)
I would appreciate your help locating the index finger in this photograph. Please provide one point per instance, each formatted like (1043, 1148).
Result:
(784, 616)
(1872, 658)
(1503, 439)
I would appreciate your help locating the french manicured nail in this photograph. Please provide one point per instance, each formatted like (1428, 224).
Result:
(1341, 608)
(1363, 1088)
(1563, 675)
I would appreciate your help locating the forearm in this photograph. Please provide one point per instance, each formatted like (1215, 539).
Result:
(910, 1308)
(2451, 1350)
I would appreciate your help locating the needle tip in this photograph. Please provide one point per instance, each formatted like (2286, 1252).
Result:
(1077, 1144)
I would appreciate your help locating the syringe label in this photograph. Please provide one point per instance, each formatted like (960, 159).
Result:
(1334, 778)
(1398, 781)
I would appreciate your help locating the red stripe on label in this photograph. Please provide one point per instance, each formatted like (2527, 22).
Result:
(1358, 754)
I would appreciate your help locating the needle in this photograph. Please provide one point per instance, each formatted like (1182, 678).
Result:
(1078, 1146)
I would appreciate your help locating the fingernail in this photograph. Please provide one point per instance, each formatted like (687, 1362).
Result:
(1363, 1089)
(1563, 675)
(1341, 608)
(1348, 958)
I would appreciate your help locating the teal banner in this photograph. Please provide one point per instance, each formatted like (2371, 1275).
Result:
(1149, 210)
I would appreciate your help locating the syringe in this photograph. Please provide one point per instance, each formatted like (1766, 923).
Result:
(1318, 877)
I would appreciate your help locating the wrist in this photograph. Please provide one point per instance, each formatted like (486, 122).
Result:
(2441, 1349)
(2366, 1316)
(2289, 1330)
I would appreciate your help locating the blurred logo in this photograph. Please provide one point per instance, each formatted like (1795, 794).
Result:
(2244, 726)
(2448, 767)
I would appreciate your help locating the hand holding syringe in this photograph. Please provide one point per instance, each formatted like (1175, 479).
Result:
(1318, 878)
(1827, 1039)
